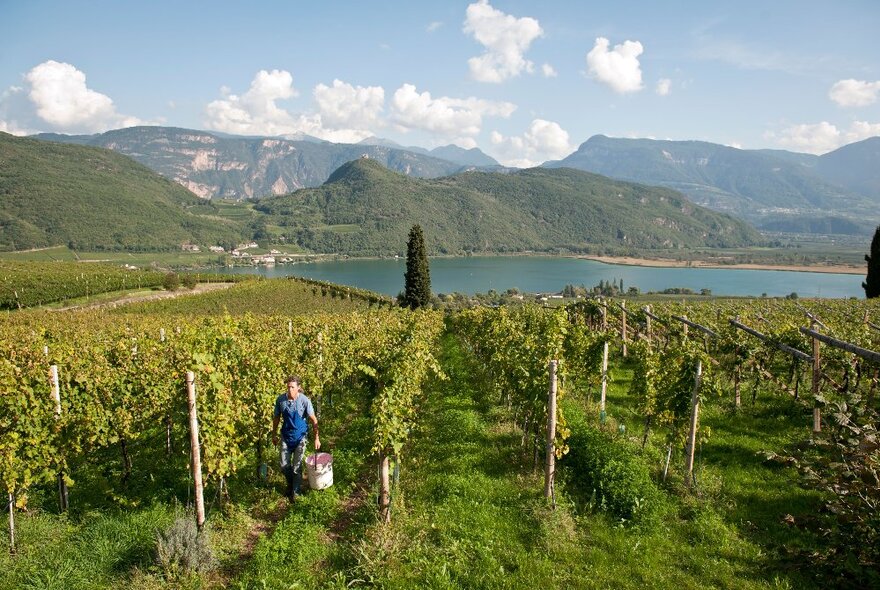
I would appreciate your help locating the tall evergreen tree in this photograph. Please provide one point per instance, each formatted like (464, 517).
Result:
(417, 280)
(872, 281)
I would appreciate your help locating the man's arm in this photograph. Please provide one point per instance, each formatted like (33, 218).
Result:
(315, 430)
(275, 422)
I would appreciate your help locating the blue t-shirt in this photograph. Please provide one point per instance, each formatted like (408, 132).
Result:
(293, 413)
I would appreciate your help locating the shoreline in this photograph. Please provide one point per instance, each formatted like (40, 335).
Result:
(668, 263)
(612, 260)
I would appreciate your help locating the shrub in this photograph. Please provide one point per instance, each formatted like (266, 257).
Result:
(612, 472)
(189, 281)
(171, 281)
(182, 549)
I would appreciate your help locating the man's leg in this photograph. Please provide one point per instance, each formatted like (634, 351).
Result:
(296, 458)
(287, 467)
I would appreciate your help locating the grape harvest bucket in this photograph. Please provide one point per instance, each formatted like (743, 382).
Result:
(319, 468)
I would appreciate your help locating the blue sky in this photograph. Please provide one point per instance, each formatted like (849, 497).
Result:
(523, 81)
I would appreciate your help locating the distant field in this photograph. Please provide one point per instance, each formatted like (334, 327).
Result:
(140, 259)
(27, 284)
(273, 296)
(340, 228)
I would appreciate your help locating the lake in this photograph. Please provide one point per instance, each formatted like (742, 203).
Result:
(540, 274)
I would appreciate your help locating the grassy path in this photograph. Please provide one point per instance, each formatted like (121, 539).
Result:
(470, 514)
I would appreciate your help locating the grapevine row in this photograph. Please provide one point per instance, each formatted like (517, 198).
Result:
(122, 380)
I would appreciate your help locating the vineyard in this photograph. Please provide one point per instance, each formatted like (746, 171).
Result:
(26, 284)
(720, 443)
(32, 284)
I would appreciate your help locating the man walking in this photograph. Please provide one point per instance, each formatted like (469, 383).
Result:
(291, 410)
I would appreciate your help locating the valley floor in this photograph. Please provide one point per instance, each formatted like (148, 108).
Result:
(670, 263)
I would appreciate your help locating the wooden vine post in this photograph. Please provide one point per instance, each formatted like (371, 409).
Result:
(817, 381)
(384, 488)
(736, 377)
(737, 395)
(813, 332)
(604, 315)
(169, 420)
(11, 523)
(56, 395)
(692, 433)
(196, 451)
(604, 388)
(550, 463)
(648, 323)
(623, 327)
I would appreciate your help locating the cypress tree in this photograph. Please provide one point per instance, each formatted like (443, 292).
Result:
(872, 281)
(417, 280)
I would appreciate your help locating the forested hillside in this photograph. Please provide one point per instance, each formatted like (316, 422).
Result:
(366, 209)
(92, 198)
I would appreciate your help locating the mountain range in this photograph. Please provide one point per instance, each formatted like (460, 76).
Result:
(223, 166)
(451, 152)
(775, 190)
(757, 185)
(93, 198)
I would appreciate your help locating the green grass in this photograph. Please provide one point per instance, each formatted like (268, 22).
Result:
(468, 511)
(472, 513)
(340, 228)
(301, 552)
(91, 551)
(739, 497)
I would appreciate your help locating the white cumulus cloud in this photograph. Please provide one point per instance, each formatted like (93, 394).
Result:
(820, 138)
(344, 105)
(548, 71)
(256, 112)
(433, 26)
(57, 98)
(664, 86)
(618, 68)
(444, 116)
(506, 39)
(854, 93)
(542, 141)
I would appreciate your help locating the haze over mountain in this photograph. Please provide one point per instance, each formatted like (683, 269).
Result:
(217, 165)
(855, 166)
(757, 185)
(93, 198)
(451, 152)
(367, 209)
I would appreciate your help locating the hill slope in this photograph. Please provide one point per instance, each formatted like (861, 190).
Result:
(752, 184)
(855, 166)
(92, 198)
(216, 165)
(366, 209)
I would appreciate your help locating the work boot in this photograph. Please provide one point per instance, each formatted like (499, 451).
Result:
(289, 492)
